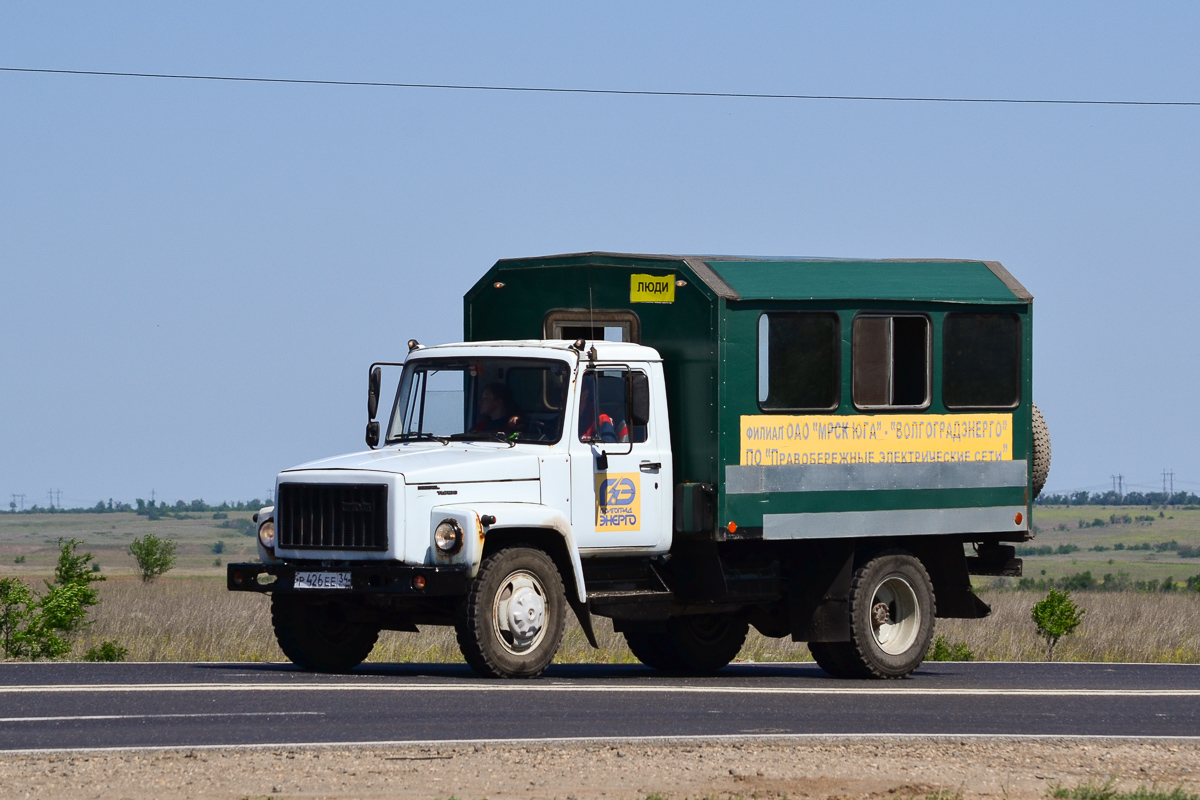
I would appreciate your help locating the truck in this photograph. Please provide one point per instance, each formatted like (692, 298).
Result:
(826, 449)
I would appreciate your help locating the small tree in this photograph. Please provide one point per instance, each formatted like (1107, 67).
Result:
(17, 606)
(1056, 616)
(155, 556)
(33, 626)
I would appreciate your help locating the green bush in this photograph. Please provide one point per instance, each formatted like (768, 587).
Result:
(108, 651)
(37, 626)
(155, 557)
(944, 651)
(1056, 616)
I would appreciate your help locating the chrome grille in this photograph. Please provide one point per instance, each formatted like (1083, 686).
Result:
(332, 516)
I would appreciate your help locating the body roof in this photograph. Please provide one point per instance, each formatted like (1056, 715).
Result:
(771, 278)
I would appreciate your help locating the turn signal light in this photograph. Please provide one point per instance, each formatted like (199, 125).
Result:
(1017, 519)
(418, 582)
(732, 526)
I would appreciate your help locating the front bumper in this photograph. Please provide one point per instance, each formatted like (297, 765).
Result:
(387, 579)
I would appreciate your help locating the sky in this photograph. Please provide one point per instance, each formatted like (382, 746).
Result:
(195, 276)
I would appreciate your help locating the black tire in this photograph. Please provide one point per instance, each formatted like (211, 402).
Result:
(706, 642)
(1041, 451)
(893, 590)
(654, 650)
(322, 635)
(838, 659)
(702, 643)
(495, 640)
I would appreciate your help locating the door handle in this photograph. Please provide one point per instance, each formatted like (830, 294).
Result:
(650, 466)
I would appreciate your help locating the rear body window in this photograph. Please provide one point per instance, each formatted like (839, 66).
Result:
(981, 360)
(891, 361)
(798, 357)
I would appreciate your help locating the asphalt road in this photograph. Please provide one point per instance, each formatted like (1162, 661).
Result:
(64, 706)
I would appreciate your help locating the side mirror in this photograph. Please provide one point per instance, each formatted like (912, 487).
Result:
(602, 462)
(372, 434)
(639, 399)
(373, 396)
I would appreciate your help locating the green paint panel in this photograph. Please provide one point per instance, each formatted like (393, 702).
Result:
(748, 509)
(709, 342)
(940, 281)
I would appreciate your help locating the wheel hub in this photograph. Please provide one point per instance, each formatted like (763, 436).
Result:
(526, 613)
(895, 615)
(519, 613)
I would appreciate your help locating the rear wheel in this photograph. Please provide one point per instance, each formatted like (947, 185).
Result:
(891, 616)
(511, 622)
(696, 643)
(322, 635)
(654, 650)
(707, 642)
(838, 659)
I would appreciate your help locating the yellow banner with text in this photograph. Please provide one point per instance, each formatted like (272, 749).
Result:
(777, 440)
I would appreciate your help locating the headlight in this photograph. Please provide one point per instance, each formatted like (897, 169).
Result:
(448, 536)
(266, 534)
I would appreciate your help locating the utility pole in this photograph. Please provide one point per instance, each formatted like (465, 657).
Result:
(1120, 487)
(1114, 480)
(58, 498)
(151, 497)
(22, 499)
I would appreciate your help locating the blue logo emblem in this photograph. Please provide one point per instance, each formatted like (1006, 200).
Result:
(617, 493)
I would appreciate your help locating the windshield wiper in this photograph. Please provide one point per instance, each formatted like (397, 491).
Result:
(484, 436)
(413, 436)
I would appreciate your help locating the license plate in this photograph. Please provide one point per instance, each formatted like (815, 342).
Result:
(322, 580)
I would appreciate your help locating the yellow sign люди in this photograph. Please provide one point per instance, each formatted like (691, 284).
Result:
(652, 289)
(777, 440)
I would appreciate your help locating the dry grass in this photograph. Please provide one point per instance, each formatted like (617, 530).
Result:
(1118, 626)
(198, 620)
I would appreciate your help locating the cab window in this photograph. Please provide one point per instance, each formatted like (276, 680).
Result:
(981, 360)
(890, 356)
(614, 406)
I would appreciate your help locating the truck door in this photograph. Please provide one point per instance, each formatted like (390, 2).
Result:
(620, 504)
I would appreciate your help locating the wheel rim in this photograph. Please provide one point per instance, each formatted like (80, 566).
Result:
(709, 629)
(519, 613)
(895, 615)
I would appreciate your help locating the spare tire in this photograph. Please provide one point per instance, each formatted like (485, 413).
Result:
(1041, 451)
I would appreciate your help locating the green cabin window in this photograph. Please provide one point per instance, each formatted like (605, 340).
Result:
(890, 358)
(798, 355)
(981, 360)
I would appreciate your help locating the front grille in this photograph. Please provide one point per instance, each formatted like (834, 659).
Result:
(332, 516)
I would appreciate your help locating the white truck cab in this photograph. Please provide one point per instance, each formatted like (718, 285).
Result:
(561, 446)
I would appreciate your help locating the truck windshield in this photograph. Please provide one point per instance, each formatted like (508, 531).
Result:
(509, 399)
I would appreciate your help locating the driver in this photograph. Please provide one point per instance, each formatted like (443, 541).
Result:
(498, 411)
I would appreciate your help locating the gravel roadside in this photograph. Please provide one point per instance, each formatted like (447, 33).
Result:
(824, 767)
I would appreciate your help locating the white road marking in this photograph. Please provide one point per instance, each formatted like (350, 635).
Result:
(165, 716)
(886, 690)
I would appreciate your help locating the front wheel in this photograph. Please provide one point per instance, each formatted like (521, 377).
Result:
(322, 635)
(511, 622)
(891, 616)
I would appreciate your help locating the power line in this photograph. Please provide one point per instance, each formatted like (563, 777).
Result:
(626, 92)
